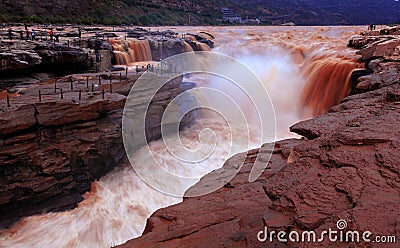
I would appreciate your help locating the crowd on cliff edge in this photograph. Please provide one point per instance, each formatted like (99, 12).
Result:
(44, 33)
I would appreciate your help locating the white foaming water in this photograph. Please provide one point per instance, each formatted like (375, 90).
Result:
(118, 205)
(282, 79)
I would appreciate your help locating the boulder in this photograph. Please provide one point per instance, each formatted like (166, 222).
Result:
(163, 49)
(32, 54)
(17, 59)
(381, 49)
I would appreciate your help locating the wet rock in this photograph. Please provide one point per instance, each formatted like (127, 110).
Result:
(375, 65)
(203, 39)
(395, 30)
(71, 34)
(168, 48)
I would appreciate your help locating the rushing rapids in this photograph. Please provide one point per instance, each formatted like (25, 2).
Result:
(305, 70)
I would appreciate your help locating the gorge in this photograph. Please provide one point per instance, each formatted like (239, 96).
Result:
(346, 157)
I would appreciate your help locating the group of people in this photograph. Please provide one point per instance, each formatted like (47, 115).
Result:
(55, 37)
(372, 27)
(31, 34)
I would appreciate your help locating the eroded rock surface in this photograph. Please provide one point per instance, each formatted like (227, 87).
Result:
(22, 54)
(53, 144)
(381, 53)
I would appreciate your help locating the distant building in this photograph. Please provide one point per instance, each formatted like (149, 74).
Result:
(228, 15)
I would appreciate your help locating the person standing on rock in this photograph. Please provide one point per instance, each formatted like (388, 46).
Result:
(57, 37)
(97, 47)
(51, 34)
(80, 32)
(10, 33)
(33, 34)
(27, 32)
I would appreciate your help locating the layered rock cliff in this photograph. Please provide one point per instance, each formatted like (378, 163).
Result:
(346, 167)
(21, 55)
(74, 54)
(59, 136)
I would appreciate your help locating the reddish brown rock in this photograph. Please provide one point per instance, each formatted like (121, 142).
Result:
(48, 113)
(383, 48)
(51, 150)
(381, 53)
(386, 73)
(10, 123)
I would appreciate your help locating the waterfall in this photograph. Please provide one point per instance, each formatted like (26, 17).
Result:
(327, 80)
(294, 67)
(203, 46)
(129, 52)
(188, 47)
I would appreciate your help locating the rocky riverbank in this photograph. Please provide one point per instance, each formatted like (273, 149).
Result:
(58, 136)
(345, 168)
(88, 49)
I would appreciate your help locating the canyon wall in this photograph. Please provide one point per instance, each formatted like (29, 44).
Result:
(53, 144)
